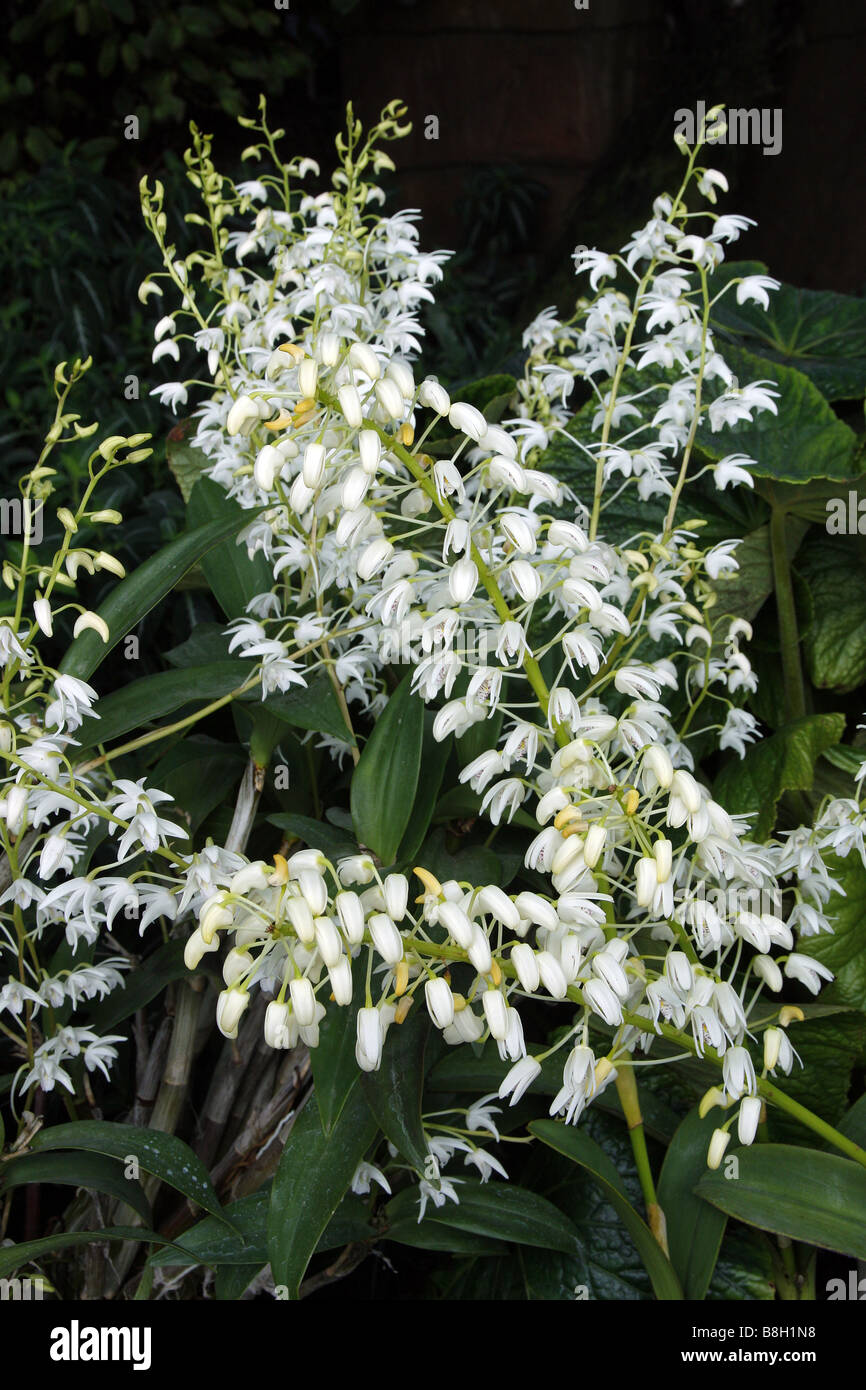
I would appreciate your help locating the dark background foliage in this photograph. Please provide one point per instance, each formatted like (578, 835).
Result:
(553, 126)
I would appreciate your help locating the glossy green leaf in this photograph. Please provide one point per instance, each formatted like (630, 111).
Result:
(845, 950)
(163, 1155)
(783, 762)
(211, 1242)
(806, 1195)
(12, 1257)
(199, 773)
(313, 706)
(335, 1070)
(331, 840)
(496, 1210)
(136, 705)
(92, 1171)
(834, 568)
(821, 333)
(694, 1227)
(462, 1070)
(394, 1092)
(435, 1235)
(142, 590)
(386, 777)
(434, 757)
(583, 1150)
(233, 577)
(315, 1171)
(803, 441)
(186, 463)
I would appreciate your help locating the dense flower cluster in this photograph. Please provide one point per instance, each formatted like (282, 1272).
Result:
(403, 527)
(473, 565)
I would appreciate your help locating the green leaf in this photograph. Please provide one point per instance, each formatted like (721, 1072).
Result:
(318, 834)
(142, 590)
(803, 1194)
(163, 1155)
(499, 1211)
(783, 762)
(186, 463)
(821, 333)
(211, 1242)
(834, 568)
(335, 1070)
(845, 950)
(198, 773)
(233, 577)
(435, 1235)
(579, 1147)
(744, 1272)
(206, 643)
(393, 1093)
(12, 1257)
(434, 756)
(152, 697)
(141, 985)
(853, 1124)
(313, 706)
(92, 1171)
(314, 1172)
(804, 441)
(694, 1228)
(232, 1281)
(384, 781)
(350, 1222)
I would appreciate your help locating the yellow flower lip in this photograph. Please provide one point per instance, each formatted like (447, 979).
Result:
(401, 978)
(281, 870)
(432, 884)
(282, 422)
(790, 1013)
(293, 350)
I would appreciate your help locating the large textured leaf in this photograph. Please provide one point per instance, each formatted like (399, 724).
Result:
(314, 1172)
(806, 1195)
(804, 441)
(393, 1093)
(142, 590)
(845, 951)
(163, 1155)
(821, 333)
(834, 568)
(384, 782)
(783, 762)
(499, 1211)
(233, 577)
(92, 1171)
(138, 704)
(582, 1149)
(694, 1228)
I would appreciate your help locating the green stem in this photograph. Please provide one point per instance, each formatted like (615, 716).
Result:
(626, 1086)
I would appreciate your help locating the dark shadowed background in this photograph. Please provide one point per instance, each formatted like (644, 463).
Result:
(537, 125)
